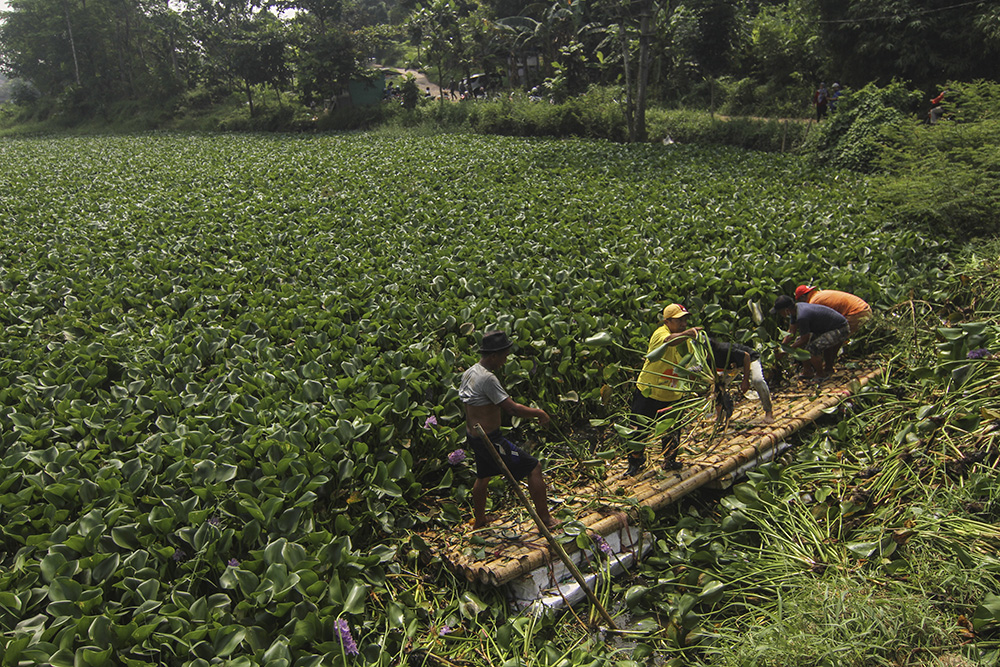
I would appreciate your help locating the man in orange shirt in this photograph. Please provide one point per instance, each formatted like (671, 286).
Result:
(854, 308)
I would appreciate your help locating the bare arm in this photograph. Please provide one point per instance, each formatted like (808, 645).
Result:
(792, 330)
(802, 340)
(675, 338)
(512, 407)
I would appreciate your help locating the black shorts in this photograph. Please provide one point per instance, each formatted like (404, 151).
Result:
(519, 462)
(647, 407)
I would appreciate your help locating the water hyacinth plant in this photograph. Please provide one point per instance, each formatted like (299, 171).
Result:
(345, 636)
(224, 411)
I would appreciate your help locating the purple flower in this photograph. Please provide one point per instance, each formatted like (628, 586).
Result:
(980, 353)
(456, 457)
(430, 421)
(233, 563)
(603, 545)
(179, 555)
(344, 630)
(444, 630)
(214, 521)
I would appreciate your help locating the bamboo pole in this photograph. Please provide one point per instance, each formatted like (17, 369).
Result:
(553, 542)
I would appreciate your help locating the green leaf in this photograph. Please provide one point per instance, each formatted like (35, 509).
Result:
(635, 595)
(10, 601)
(107, 566)
(712, 592)
(602, 339)
(657, 353)
(51, 566)
(354, 603)
(987, 612)
(228, 639)
(64, 588)
(863, 549)
(312, 389)
(470, 605)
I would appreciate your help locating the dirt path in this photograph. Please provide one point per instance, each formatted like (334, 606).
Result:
(423, 83)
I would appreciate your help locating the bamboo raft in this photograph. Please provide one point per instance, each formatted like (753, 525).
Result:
(506, 551)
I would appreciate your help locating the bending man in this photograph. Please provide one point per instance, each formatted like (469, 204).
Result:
(735, 355)
(854, 308)
(819, 329)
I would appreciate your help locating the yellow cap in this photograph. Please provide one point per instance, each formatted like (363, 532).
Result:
(674, 311)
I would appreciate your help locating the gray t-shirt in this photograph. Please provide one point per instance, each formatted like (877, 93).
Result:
(481, 387)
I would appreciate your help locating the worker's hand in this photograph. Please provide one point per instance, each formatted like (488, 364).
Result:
(543, 418)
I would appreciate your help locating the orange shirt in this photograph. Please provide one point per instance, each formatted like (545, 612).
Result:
(844, 303)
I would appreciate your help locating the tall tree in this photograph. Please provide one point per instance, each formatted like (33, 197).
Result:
(256, 54)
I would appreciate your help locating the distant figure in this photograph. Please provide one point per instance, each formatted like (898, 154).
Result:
(834, 96)
(428, 94)
(821, 99)
(937, 109)
(452, 90)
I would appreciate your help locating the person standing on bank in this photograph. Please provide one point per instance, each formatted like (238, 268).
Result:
(657, 389)
(835, 94)
(937, 109)
(820, 100)
(484, 397)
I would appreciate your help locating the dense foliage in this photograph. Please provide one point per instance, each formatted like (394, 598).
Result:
(943, 176)
(100, 59)
(220, 357)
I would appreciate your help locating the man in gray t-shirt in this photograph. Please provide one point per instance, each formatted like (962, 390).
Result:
(484, 397)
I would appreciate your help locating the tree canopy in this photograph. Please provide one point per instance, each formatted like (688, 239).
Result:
(84, 54)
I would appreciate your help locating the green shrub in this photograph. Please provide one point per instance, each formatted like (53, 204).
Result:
(739, 97)
(700, 127)
(864, 125)
(597, 114)
(411, 94)
(972, 102)
(267, 119)
(945, 177)
(23, 92)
